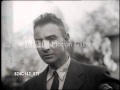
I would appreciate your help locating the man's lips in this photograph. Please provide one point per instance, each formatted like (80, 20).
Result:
(47, 55)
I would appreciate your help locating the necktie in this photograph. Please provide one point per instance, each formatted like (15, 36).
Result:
(55, 83)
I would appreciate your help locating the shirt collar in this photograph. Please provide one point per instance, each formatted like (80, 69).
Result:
(61, 71)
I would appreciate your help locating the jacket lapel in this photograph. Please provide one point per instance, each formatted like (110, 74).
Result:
(75, 76)
(41, 83)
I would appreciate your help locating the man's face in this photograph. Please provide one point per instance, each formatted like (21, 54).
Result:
(45, 36)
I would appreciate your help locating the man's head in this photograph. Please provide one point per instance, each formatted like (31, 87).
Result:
(49, 29)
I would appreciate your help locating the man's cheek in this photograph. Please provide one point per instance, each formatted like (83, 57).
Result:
(39, 51)
(54, 44)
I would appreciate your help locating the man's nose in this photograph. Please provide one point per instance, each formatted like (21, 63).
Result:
(45, 45)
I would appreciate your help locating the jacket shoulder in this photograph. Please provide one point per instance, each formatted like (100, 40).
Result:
(31, 81)
(94, 69)
(87, 68)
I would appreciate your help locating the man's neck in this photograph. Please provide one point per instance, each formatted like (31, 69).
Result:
(59, 63)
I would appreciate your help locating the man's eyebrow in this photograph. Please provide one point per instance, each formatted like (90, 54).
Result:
(51, 36)
(39, 39)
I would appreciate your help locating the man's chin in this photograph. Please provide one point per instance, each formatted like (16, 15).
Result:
(49, 61)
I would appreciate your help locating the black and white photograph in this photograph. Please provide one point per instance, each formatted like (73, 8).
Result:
(60, 45)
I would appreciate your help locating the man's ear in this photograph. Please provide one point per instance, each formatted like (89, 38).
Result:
(67, 37)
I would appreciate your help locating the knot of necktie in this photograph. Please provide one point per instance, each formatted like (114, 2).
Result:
(55, 74)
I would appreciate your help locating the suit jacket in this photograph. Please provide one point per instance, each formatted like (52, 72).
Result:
(79, 77)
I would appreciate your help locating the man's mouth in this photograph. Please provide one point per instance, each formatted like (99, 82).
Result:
(47, 56)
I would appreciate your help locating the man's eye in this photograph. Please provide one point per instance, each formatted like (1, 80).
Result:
(51, 39)
(38, 42)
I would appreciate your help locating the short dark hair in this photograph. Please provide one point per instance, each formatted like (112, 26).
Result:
(49, 18)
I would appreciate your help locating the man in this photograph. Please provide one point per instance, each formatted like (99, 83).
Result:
(63, 73)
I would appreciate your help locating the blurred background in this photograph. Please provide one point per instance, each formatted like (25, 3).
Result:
(88, 22)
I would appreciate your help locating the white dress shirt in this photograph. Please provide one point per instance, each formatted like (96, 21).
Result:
(62, 71)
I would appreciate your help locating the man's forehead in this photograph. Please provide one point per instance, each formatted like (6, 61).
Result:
(47, 26)
(47, 30)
